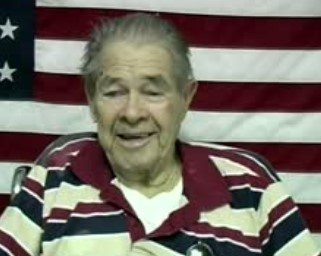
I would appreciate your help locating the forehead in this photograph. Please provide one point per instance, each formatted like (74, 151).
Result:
(147, 59)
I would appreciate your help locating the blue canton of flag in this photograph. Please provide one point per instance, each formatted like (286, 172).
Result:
(16, 48)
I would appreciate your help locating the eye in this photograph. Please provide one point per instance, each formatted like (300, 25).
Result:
(114, 93)
(153, 93)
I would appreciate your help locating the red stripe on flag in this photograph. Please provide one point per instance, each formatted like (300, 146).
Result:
(199, 30)
(4, 201)
(257, 97)
(23, 147)
(291, 157)
(311, 214)
(211, 96)
(52, 88)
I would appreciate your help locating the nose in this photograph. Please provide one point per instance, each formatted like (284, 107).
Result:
(134, 109)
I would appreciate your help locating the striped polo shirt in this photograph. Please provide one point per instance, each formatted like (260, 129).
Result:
(69, 207)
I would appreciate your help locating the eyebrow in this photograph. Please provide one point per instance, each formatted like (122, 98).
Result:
(107, 80)
(157, 80)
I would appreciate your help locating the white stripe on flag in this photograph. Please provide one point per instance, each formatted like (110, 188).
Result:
(303, 187)
(44, 118)
(210, 64)
(256, 65)
(251, 127)
(198, 125)
(58, 56)
(306, 193)
(211, 7)
(7, 171)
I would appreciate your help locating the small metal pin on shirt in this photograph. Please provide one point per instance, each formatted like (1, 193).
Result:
(200, 249)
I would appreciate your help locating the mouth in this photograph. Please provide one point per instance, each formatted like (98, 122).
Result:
(135, 140)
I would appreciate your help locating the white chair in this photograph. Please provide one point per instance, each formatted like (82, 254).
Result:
(20, 174)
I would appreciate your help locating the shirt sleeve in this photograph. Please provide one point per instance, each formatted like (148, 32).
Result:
(282, 229)
(21, 222)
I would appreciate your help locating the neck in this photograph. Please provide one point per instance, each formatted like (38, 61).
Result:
(152, 182)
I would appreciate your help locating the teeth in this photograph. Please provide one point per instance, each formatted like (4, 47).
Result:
(134, 136)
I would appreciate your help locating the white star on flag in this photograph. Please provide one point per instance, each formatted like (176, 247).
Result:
(7, 29)
(6, 72)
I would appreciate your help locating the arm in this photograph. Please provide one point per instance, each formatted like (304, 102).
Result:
(282, 229)
(21, 222)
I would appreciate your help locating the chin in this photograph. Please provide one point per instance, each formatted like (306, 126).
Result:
(142, 158)
(135, 161)
(139, 162)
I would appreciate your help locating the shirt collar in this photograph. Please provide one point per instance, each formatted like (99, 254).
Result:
(204, 186)
(203, 183)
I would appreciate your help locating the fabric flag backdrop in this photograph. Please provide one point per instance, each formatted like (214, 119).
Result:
(258, 63)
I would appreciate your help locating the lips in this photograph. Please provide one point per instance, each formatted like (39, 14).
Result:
(135, 140)
(133, 136)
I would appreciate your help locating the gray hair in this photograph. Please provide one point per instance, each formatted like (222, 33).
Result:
(138, 28)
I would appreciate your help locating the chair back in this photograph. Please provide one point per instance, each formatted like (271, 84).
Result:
(19, 175)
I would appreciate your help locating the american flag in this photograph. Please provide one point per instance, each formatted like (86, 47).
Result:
(258, 64)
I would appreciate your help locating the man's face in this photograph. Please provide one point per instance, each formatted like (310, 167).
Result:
(137, 106)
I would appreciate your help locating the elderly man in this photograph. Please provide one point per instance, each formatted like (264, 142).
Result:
(133, 188)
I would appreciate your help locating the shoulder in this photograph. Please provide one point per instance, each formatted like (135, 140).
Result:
(247, 175)
(60, 151)
(249, 178)
(235, 162)
(53, 166)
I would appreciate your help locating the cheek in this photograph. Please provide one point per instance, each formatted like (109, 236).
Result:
(105, 125)
(105, 116)
(104, 110)
(177, 111)
(171, 116)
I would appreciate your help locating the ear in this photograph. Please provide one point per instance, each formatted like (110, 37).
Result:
(189, 92)
(93, 112)
(92, 108)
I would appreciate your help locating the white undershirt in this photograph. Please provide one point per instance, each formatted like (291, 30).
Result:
(152, 212)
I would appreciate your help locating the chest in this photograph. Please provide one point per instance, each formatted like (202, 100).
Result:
(78, 222)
